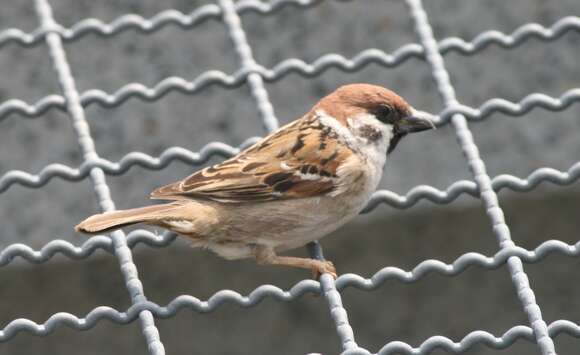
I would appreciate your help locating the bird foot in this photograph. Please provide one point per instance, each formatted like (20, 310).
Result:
(323, 267)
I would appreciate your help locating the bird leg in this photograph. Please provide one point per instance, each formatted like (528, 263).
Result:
(267, 256)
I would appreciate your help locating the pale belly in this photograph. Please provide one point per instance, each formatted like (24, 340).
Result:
(280, 225)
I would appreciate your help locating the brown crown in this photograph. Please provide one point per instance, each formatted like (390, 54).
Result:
(350, 100)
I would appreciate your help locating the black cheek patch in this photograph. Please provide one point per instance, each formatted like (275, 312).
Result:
(371, 133)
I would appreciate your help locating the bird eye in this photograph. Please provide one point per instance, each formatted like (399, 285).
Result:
(386, 114)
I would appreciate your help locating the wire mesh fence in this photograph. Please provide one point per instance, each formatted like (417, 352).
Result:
(255, 76)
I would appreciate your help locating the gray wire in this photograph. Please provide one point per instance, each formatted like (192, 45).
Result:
(337, 311)
(237, 35)
(216, 77)
(382, 196)
(141, 24)
(81, 127)
(474, 338)
(300, 289)
(212, 11)
(477, 167)
(247, 61)
(213, 149)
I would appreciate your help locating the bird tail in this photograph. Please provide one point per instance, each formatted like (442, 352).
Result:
(108, 221)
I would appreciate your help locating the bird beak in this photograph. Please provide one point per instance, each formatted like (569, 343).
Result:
(417, 121)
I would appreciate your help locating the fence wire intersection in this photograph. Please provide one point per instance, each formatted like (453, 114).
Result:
(254, 75)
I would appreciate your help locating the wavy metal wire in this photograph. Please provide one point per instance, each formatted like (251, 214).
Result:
(150, 25)
(436, 342)
(247, 62)
(102, 192)
(214, 149)
(390, 198)
(141, 24)
(213, 12)
(254, 75)
(477, 166)
(302, 288)
(293, 65)
(211, 150)
(474, 338)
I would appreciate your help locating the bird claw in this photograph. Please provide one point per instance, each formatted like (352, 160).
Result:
(323, 267)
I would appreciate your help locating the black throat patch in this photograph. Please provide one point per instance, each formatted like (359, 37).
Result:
(371, 133)
(394, 141)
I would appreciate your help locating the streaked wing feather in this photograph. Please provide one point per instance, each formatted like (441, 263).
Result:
(300, 160)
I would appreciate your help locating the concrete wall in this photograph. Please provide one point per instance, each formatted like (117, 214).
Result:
(476, 299)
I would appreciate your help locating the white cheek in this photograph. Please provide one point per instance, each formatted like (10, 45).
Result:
(388, 134)
(375, 152)
(357, 124)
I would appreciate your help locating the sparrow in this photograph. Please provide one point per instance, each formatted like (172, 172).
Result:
(292, 187)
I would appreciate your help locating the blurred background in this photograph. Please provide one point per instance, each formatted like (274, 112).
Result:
(449, 306)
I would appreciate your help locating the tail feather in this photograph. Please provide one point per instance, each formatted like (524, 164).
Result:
(114, 220)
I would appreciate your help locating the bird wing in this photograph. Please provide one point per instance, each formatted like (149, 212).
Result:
(302, 159)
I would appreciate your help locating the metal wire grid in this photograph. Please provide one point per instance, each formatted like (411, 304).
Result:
(252, 73)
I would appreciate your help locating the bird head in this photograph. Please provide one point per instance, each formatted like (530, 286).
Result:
(370, 111)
